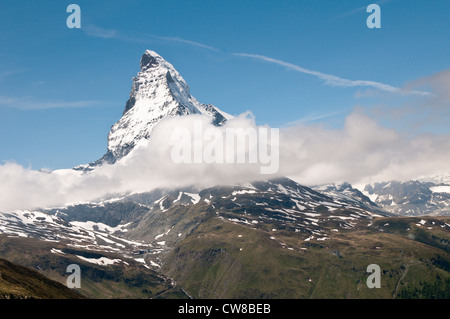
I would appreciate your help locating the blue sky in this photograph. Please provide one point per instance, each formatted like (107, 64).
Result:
(61, 89)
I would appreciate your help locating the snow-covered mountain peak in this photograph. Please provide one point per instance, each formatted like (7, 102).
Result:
(159, 82)
(158, 91)
(150, 60)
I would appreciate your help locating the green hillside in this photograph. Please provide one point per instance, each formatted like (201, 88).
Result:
(18, 282)
(226, 260)
(124, 280)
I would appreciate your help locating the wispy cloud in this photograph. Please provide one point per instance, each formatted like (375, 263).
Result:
(98, 32)
(361, 9)
(329, 79)
(332, 79)
(32, 104)
(312, 117)
(439, 83)
(6, 73)
(422, 115)
(193, 43)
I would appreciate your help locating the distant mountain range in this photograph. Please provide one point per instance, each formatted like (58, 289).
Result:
(426, 196)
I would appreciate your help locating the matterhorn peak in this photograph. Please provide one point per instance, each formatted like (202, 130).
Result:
(149, 59)
(158, 91)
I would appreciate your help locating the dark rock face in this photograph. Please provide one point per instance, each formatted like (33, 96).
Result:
(130, 103)
(148, 61)
(218, 119)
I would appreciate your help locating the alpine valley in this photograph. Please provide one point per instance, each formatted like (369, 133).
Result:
(272, 238)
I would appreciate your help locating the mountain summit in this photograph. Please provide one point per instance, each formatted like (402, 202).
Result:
(158, 91)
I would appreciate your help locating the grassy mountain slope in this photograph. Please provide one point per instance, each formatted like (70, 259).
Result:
(126, 279)
(226, 260)
(18, 282)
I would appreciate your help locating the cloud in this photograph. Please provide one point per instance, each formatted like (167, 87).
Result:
(31, 104)
(361, 9)
(335, 80)
(98, 32)
(192, 43)
(438, 83)
(312, 118)
(418, 115)
(361, 151)
(147, 167)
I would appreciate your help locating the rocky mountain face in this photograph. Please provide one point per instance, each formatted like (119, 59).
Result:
(158, 91)
(347, 192)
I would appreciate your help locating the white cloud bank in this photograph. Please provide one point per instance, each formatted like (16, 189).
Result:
(361, 151)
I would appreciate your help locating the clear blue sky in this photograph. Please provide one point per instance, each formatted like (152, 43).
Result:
(61, 89)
